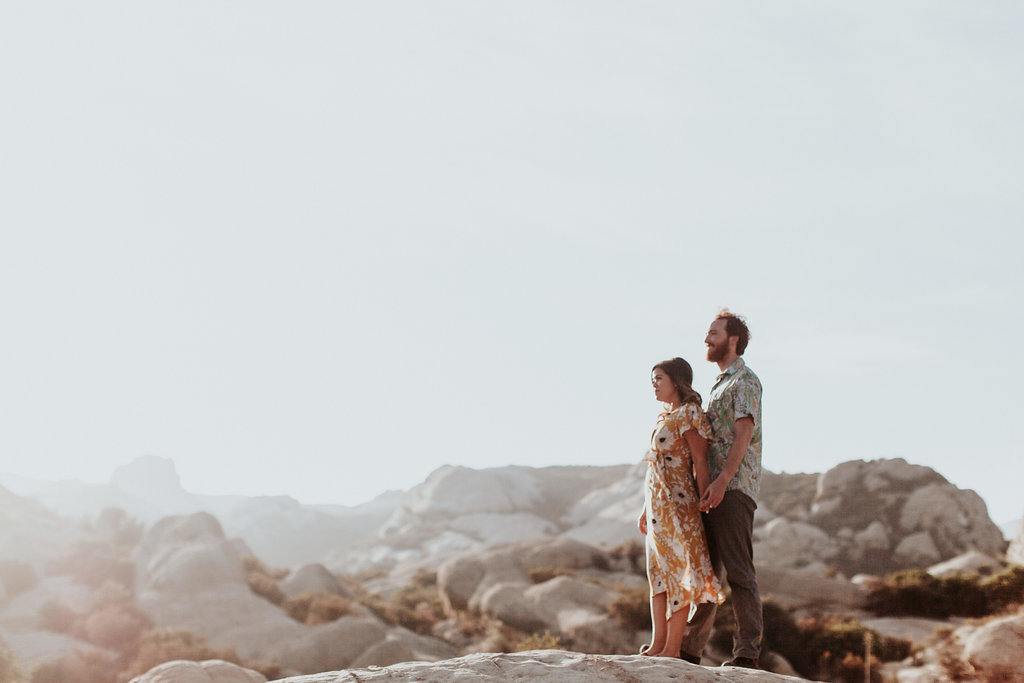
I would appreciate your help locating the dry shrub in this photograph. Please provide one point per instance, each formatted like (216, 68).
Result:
(417, 605)
(115, 628)
(265, 587)
(318, 608)
(94, 564)
(9, 671)
(157, 647)
(539, 641)
(17, 577)
(634, 553)
(915, 592)
(58, 617)
(542, 574)
(77, 667)
(849, 669)
(632, 608)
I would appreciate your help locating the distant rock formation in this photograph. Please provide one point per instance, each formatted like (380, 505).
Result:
(1015, 553)
(190, 576)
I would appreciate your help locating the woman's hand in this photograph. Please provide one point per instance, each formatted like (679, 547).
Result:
(713, 495)
(641, 523)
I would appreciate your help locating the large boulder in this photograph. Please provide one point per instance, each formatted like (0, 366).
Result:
(547, 665)
(189, 576)
(465, 579)
(888, 514)
(995, 649)
(210, 671)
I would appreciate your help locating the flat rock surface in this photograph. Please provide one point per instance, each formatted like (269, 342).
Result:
(543, 665)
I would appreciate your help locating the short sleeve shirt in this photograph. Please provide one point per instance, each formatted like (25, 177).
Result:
(736, 394)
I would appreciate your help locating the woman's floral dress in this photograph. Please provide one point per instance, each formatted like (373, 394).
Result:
(677, 550)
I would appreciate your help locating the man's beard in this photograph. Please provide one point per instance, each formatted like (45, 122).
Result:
(717, 353)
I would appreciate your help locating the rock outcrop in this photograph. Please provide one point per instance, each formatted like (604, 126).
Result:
(189, 576)
(210, 671)
(885, 515)
(546, 665)
(1015, 553)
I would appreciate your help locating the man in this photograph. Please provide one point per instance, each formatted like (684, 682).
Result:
(734, 458)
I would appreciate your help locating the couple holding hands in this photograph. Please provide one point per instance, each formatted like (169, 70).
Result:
(702, 481)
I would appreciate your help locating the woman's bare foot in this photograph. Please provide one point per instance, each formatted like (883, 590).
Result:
(649, 650)
(664, 652)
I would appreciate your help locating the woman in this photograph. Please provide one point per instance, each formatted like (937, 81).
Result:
(678, 566)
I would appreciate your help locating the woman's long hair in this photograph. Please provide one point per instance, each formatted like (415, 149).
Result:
(681, 374)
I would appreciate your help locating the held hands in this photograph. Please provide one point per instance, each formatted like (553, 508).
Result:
(641, 523)
(713, 495)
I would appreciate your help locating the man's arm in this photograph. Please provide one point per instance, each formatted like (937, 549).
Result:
(743, 432)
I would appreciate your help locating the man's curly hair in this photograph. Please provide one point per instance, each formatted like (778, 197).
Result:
(735, 326)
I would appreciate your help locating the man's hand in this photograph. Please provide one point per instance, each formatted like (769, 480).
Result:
(641, 523)
(713, 495)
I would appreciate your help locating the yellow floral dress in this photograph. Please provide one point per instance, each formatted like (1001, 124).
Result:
(677, 550)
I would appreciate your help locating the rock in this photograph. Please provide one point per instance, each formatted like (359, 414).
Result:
(995, 648)
(312, 579)
(956, 520)
(210, 671)
(331, 646)
(1015, 553)
(917, 549)
(546, 665)
(807, 589)
(971, 562)
(794, 544)
(915, 629)
(188, 576)
(465, 579)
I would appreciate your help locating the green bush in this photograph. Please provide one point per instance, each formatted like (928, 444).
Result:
(819, 648)
(915, 592)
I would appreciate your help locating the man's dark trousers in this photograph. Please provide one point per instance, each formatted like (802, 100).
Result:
(730, 530)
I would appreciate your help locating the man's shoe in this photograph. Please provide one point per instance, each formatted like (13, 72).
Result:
(743, 662)
(687, 657)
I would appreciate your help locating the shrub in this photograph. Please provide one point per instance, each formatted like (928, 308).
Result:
(1005, 589)
(318, 608)
(917, 593)
(417, 605)
(539, 641)
(634, 552)
(77, 667)
(94, 564)
(115, 628)
(17, 577)
(9, 671)
(265, 587)
(632, 609)
(58, 617)
(157, 647)
(542, 574)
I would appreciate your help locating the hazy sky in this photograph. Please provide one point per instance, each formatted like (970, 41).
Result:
(323, 248)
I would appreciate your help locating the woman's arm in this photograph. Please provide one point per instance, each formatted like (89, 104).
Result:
(699, 454)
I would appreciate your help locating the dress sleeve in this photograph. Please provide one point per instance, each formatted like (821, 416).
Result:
(694, 418)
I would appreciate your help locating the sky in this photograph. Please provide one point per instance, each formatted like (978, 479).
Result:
(321, 249)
